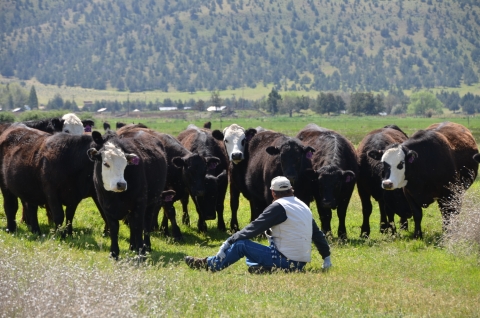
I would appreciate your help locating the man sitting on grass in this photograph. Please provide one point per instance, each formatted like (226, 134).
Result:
(290, 229)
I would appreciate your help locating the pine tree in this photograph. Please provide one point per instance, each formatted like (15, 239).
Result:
(32, 98)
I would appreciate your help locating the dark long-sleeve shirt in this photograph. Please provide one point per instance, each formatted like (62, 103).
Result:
(275, 214)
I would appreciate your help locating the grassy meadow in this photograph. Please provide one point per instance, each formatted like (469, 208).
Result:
(382, 276)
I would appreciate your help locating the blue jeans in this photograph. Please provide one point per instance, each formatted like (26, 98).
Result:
(256, 254)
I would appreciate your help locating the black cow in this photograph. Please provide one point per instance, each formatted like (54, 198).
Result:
(186, 174)
(236, 140)
(129, 177)
(43, 170)
(207, 125)
(69, 123)
(335, 169)
(106, 126)
(119, 125)
(370, 178)
(430, 166)
(201, 141)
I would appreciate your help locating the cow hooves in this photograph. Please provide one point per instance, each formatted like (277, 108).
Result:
(418, 235)
(222, 228)
(365, 235)
(186, 220)
(114, 256)
(178, 239)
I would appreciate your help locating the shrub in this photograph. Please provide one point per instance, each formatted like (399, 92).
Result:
(7, 118)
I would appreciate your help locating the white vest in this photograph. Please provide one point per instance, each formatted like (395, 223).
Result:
(293, 238)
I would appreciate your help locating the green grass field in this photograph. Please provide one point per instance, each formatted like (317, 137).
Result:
(382, 276)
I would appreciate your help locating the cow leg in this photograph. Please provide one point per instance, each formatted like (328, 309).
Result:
(58, 217)
(234, 204)
(342, 214)
(366, 212)
(325, 220)
(69, 214)
(32, 210)
(114, 227)
(185, 216)
(417, 216)
(404, 224)
(150, 213)
(164, 227)
(172, 216)
(387, 218)
(448, 209)
(136, 223)
(10, 205)
(202, 224)
(222, 191)
(24, 213)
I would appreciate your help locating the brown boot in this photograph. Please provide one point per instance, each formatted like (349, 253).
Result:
(196, 263)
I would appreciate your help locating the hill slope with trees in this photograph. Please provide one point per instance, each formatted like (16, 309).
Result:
(191, 45)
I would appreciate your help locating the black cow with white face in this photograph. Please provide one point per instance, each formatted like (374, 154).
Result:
(427, 165)
(186, 174)
(129, 178)
(235, 140)
(370, 178)
(334, 171)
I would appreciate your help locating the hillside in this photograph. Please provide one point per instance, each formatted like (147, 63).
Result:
(193, 45)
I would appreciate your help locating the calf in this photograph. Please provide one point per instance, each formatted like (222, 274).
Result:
(428, 165)
(200, 141)
(370, 178)
(129, 178)
(186, 174)
(333, 178)
(43, 170)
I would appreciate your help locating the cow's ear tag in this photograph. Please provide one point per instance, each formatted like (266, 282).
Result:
(309, 155)
(212, 165)
(411, 159)
(348, 179)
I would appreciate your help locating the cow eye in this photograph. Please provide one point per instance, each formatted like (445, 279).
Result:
(400, 165)
(243, 142)
(226, 141)
(67, 131)
(106, 165)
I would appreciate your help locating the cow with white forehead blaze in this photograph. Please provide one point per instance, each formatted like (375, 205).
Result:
(370, 178)
(129, 178)
(69, 123)
(255, 159)
(43, 170)
(335, 169)
(200, 141)
(186, 174)
(427, 165)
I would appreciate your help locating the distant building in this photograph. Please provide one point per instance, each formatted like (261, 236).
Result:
(167, 108)
(216, 108)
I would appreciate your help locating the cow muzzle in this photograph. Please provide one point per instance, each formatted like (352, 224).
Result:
(387, 185)
(237, 156)
(121, 186)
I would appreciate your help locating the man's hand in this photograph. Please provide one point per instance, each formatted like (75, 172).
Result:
(326, 263)
(221, 252)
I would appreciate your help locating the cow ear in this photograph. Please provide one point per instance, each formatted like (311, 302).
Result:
(97, 138)
(57, 124)
(132, 159)
(272, 150)
(94, 154)
(411, 156)
(309, 152)
(212, 162)
(477, 157)
(178, 162)
(217, 134)
(250, 133)
(375, 154)
(349, 176)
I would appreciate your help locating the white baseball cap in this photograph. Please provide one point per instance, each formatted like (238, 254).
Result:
(280, 184)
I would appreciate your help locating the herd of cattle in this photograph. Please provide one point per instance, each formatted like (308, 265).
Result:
(134, 172)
